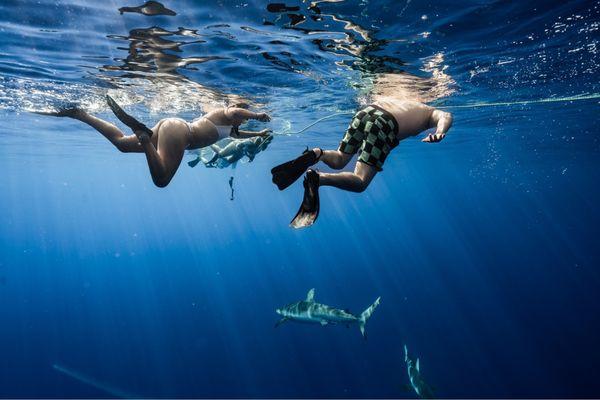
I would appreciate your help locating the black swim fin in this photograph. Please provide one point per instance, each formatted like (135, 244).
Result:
(66, 111)
(309, 209)
(287, 173)
(194, 162)
(135, 125)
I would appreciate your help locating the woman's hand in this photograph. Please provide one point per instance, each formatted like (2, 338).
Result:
(263, 117)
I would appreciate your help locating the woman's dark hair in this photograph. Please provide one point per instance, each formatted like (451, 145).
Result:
(242, 104)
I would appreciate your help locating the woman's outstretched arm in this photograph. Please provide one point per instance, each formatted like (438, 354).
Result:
(248, 134)
(243, 114)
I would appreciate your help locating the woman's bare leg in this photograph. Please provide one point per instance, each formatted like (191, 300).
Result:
(125, 144)
(164, 160)
(164, 151)
(357, 181)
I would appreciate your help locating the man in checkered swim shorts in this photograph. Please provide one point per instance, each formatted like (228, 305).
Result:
(374, 131)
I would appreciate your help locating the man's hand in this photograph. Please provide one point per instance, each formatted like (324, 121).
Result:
(434, 137)
(263, 117)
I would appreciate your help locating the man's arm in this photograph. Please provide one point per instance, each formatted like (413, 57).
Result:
(443, 124)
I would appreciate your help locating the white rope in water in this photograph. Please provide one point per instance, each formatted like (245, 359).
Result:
(473, 105)
(537, 101)
(317, 121)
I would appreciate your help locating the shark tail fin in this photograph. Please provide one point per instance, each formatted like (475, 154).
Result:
(362, 319)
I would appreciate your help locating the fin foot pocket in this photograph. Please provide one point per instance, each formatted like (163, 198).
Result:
(287, 173)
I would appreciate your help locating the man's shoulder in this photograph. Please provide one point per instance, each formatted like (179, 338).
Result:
(400, 103)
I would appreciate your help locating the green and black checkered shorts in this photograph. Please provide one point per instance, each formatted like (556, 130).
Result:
(372, 130)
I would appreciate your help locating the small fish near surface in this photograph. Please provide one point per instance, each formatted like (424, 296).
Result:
(149, 8)
(310, 311)
(423, 390)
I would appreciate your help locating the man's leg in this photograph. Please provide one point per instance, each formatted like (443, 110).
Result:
(354, 136)
(335, 159)
(356, 181)
(375, 133)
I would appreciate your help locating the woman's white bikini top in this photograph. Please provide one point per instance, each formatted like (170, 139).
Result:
(224, 130)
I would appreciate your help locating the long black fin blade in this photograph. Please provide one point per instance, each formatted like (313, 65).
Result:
(287, 173)
(132, 123)
(309, 209)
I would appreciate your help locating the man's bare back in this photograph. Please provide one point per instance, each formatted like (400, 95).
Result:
(413, 117)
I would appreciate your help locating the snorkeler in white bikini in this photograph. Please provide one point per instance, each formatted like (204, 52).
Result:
(373, 132)
(165, 144)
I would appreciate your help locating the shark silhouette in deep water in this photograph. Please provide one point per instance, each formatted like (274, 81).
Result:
(312, 312)
(423, 390)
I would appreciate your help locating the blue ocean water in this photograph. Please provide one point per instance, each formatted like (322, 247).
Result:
(483, 248)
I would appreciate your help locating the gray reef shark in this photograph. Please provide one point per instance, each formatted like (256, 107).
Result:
(423, 390)
(312, 312)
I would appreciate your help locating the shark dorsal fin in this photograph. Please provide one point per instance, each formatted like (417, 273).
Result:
(417, 365)
(310, 296)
